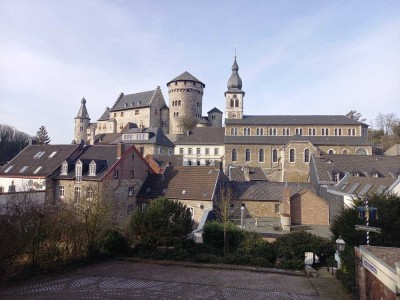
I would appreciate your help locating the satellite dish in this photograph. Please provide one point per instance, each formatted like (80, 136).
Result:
(36, 185)
(30, 182)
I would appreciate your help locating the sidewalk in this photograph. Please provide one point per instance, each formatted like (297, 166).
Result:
(328, 287)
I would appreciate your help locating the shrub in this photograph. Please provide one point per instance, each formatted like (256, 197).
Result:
(213, 235)
(291, 264)
(252, 244)
(113, 243)
(204, 258)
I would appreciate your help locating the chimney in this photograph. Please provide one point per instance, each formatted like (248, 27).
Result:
(246, 173)
(92, 135)
(119, 150)
(285, 201)
(30, 142)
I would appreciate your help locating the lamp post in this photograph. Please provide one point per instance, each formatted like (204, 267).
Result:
(340, 246)
(242, 208)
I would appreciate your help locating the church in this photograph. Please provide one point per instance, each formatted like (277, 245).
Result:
(281, 145)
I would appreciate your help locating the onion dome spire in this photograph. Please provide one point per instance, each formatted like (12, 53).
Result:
(235, 82)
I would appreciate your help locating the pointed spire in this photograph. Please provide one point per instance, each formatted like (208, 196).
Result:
(235, 82)
(83, 113)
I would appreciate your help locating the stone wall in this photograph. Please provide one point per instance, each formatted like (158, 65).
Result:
(185, 100)
(307, 208)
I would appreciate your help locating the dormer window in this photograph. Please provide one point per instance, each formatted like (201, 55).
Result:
(64, 168)
(39, 154)
(92, 169)
(78, 171)
(115, 175)
(8, 169)
(52, 154)
(23, 169)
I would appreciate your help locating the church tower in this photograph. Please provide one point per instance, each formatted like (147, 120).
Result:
(82, 122)
(234, 95)
(185, 101)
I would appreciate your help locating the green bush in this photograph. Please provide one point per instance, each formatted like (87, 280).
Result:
(213, 235)
(253, 245)
(291, 264)
(204, 258)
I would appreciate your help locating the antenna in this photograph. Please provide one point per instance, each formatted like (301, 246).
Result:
(235, 50)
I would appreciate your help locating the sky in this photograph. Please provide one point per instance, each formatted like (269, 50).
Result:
(295, 57)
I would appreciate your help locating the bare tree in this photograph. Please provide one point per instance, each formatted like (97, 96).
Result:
(187, 123)
(386, 122)
(225, 199)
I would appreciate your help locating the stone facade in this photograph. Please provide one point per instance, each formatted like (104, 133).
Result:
(185, 100)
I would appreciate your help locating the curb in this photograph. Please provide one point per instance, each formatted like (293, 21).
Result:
(211, 266)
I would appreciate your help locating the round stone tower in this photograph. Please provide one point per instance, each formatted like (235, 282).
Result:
(185, 102)
(82, 122)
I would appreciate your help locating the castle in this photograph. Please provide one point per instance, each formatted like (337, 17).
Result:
(279, 144)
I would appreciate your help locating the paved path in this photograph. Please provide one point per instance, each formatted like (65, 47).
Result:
(136, 280)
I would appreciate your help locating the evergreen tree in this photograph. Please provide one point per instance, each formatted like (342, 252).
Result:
(12, 141)
(42, 137)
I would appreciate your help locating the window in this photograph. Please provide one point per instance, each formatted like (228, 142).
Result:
(198, 163)
(92, 169)
(89, 193)
(248, 155)
(122, 113)
(299, 131)
(115, 175)
(286, 131)
(311, 131)
(306, 155)
(61, 191)
(64, 168)
(136, 112)
(39, 154)
(8, 169)
(130, 191)
(291, 155)
(129, 210)
(115, 114)
(77, 194)
(232, 103)
(338, 131)
(23, 169)
(215, 151)
(246, 131)
(345, 152)
(234, 131)
(155, 111)
(260, 131)
(234, 155)
(275, 155)
(78, 171)
(181, 151)
(37, 170)
(272, 131)
(207, 151)
(189, 162)
(261, 155)
(351, 131)
(159, 150)
(52, 154)
(131, 173)
(198, 151)
(190, 151)
(170, 151)
(143, 206)
(277, 210)
(179, 102)
(325, 131)
(81, 129)
(330, 152)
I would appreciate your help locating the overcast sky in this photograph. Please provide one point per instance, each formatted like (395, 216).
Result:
(295, 57)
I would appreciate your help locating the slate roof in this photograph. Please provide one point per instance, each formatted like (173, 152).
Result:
(203, 136)
(283, 140)
(294, 120)
(265, 191)
(105, 157)
(255, 174)
(389, 255)
(83, 113)
(106, 138)
(106, 115)
(363, 185)
(214, 110)
(386, 166)
(186, 76)
(156, 137)
(191, 183)
(165, 160)
(29, 157)
(132, 101)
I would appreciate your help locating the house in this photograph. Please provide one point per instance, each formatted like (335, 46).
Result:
(202, 146)
(114, 172)
(393, 151)
(197, 188)
(246, 173)
(377, 272)
(34, 169)
(159, 162)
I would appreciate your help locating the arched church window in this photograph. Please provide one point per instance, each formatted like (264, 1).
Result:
(247, 155)
(236, 102)
(232, 103)
(234, 155)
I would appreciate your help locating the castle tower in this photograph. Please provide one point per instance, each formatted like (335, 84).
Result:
(82, 122)
(215, 117)
(185, 101)
(234, 95)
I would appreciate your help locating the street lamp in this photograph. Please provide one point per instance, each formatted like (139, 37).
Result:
(242, 208)
(340, 245)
